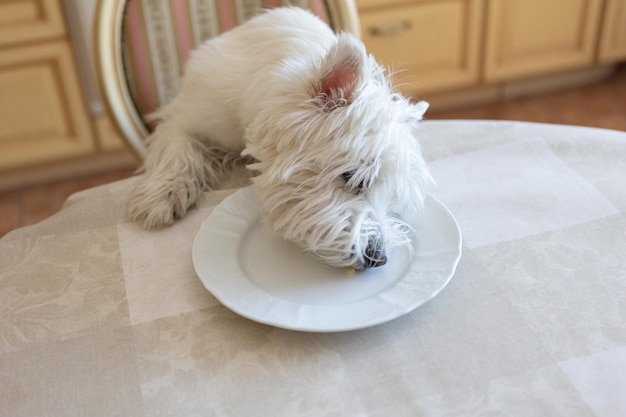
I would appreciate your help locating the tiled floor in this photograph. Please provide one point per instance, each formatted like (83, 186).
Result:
(600, 105)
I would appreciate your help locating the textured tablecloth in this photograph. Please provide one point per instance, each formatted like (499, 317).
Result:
(101, 318)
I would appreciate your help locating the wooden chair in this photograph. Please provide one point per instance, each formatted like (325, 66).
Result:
(141, 47)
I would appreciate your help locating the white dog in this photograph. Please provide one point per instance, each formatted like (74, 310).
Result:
(335, 149)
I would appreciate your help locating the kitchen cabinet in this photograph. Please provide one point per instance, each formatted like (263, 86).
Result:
(46, 129)
(466, 51)
(533, 37)
(42, 114)
(433, 45)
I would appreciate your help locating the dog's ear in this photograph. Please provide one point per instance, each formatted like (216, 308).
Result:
(341, 72)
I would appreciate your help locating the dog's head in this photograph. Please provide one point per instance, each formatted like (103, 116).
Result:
(339, 161)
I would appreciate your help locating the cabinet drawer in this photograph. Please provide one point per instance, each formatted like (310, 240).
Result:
(29, 20)
(431, 45)
(42, 116)
(530, 37)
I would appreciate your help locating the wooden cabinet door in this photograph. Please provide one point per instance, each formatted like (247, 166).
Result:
(530, 37)
(432, 45)
(613, 42)
(42, 116)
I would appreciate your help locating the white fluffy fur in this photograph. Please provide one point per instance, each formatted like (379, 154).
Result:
(337, 156)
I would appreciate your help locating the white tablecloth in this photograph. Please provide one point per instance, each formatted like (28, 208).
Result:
(101, 318)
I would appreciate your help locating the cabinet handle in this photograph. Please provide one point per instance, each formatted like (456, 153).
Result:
(391, 29)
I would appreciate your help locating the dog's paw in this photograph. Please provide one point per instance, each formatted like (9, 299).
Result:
(160, 203)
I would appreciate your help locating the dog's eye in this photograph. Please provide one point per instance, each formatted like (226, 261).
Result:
(347, 177)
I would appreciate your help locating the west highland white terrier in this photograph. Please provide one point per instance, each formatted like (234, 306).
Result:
(336, 156)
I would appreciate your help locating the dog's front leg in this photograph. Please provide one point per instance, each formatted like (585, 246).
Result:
(178, 167)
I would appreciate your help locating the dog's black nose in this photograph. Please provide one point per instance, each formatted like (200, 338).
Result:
(374, 254)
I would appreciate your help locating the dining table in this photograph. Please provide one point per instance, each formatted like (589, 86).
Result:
(100, 317)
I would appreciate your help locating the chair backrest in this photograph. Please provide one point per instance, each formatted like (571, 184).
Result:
(141, 47)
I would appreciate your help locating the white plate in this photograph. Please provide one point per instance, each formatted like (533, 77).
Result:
(266, 279)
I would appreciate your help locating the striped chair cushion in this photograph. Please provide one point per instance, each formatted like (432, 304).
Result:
(159, 34)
